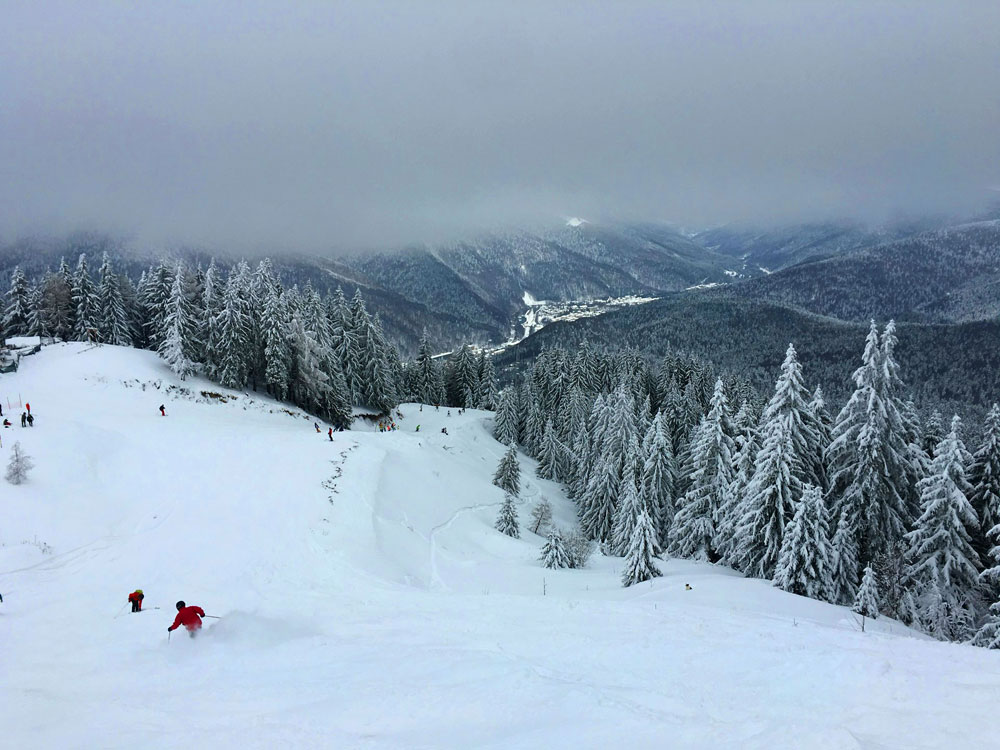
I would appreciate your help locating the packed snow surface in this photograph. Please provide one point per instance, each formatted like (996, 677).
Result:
(365, 601)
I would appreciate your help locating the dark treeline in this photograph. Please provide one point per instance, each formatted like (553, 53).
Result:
(244, 329)
(869, 508)
(952, 367)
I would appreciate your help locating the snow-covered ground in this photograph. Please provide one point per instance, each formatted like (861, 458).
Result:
(366, 602)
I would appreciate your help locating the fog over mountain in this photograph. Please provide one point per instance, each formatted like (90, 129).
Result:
(348, 125)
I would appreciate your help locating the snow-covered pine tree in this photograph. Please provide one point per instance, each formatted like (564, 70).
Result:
(866, 603)
(505, 424)
(153, 296)
(658, 477)
(988, 635)
(113, 319)
(784, 467)
(639, 565)
(462, 377)
(506, 522)
(37, 323)
(486, 380)
(933, 432)
(821, 424)
(730, 514)
(17, 313)
(940, 545)
(277, 351)
(598, 501)
(549, 454)
(174, 339)
(630, 505)
(430, 385)
(869, 468)
(85, 301)
(233, 336)
(211, 307)
(804, 562)
(918, 462)
(615, 442)
(984, 476)
(693, 532)
(380, 384)
(508, 474)
(554, 553)
(309, 386)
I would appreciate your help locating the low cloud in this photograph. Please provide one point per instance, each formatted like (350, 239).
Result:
(348, 125)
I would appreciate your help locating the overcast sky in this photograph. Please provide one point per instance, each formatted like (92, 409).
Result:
(330, 124)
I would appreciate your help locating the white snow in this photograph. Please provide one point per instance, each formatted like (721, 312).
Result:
(574, 221)
(366, 601)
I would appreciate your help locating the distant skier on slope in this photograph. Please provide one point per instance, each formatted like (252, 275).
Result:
(31, 420)
(163, 411)
(330, 434)
(135, 598)
(316, 425)
(24, 419)
(189, 617)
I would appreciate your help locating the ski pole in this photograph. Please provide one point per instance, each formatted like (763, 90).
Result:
(169, 633)
(213, 617)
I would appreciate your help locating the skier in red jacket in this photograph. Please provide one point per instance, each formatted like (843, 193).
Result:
(189, 617)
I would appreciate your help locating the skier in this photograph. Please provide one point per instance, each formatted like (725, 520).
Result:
(24, 419)
(189, 617)
(6, 423)
(135, 598)
(444, 430)
(316, 425)
(31, 421)
(418, 428)
(330, 434)
(163, 411)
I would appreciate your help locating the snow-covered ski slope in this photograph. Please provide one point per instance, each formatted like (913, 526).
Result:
(366, 601)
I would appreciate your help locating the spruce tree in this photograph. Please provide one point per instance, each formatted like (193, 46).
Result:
(658, 477)
(174, 339)
(505, 423)
(940, 546)
(869, 466)
(112, 317)
(430, 387)
(693, 533)
(784, 467)
(233, 329)
(639, 565)
(554, 553)
(630, 506)
(84, 301)
(549, 454)
(17, 313)
(866, 603)
(508, 474)
(804, 562)
(486, 383)
(984, 476)
(277, 351)
(933, 432)
(506, 522)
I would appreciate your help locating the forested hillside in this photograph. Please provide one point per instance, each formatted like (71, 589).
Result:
(958, 365)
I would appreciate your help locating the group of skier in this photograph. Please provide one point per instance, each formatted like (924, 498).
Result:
(189, 617)
(27, 420)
